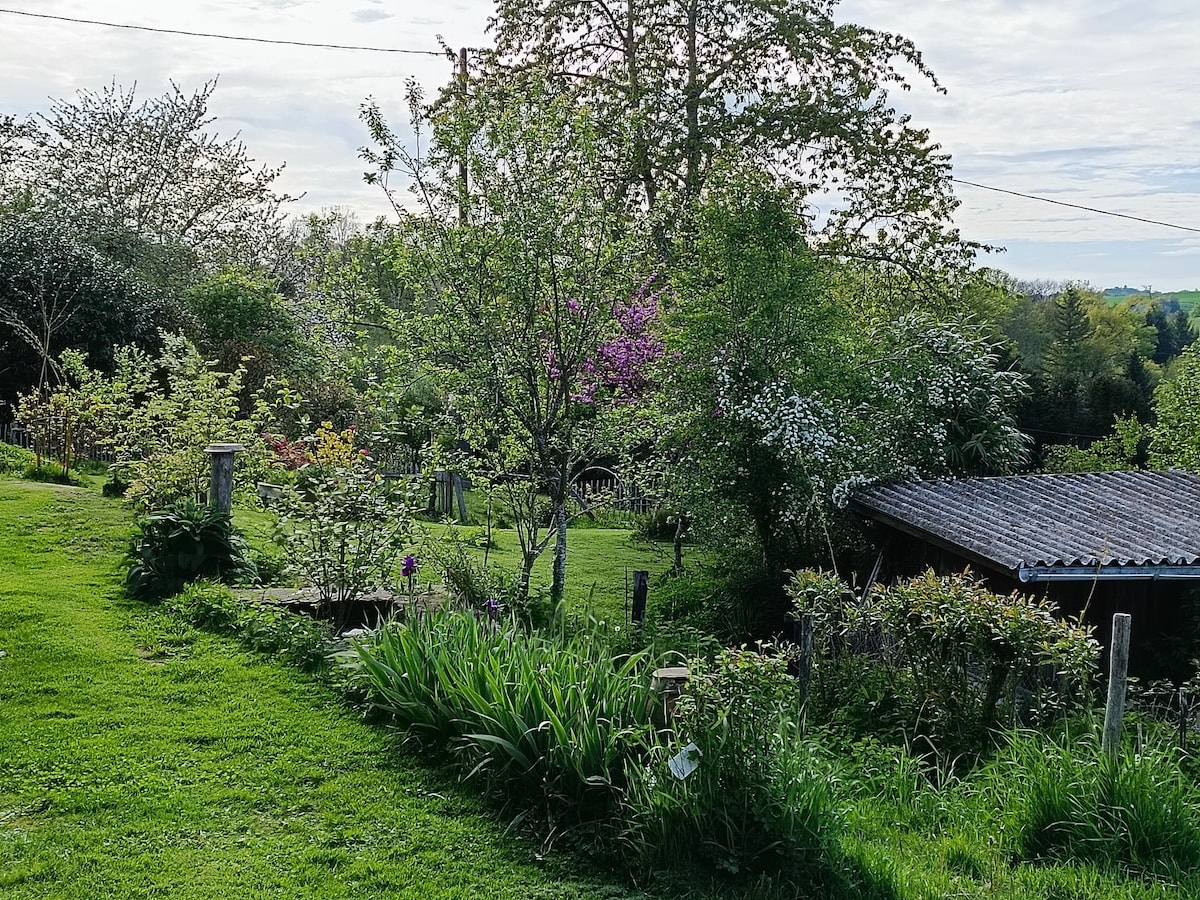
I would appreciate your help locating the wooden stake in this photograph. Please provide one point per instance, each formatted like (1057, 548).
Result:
(1118, 668)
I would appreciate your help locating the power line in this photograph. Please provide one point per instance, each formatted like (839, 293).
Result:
(1091, 209)
(224, 37)
(322, 46)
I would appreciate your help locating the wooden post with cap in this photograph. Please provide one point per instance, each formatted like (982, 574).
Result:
(220, 485)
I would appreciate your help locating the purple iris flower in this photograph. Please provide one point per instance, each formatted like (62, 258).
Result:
(408, 568)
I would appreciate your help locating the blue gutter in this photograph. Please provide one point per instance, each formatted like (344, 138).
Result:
(1029, 574)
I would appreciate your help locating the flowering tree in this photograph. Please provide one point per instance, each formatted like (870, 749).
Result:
(784, 399)
(517, 275)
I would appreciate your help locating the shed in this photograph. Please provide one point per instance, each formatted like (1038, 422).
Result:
(1095, 543)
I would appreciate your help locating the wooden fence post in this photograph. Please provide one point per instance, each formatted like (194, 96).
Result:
(220, 485)
(1118, 668)
(641, 591)
(806, 651)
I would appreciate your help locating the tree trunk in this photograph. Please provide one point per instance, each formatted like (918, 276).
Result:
(559, 580)
(680, 526)
(528, 558)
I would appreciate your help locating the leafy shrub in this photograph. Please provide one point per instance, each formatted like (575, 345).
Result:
(14, 460)
(1071, 802)
(259, 626)
(342, 530)
(939, 658)
(552, 721)
(717, 600)
(184, 544)
(479, 586)
(760, 799)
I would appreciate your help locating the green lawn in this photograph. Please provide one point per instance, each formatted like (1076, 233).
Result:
(140, 758)
(597, 559)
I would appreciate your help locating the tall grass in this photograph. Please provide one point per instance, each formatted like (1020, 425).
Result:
(1068, 802)
(548, 721)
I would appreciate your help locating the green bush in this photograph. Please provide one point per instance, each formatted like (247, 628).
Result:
(714, 599)
(342, 530)
(479, 586)
(547, 721)
(1070, 802)
(14, 460)
(760, 799)
(259, 626)
(939, 661)
(183, 544)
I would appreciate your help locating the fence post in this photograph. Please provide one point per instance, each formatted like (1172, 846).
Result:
(1183, 717)
(806, 651)
(641, 590)
(220, 485)
(1118, 668)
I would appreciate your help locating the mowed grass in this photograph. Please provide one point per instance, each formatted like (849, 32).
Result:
(140, 758)
(599, 560)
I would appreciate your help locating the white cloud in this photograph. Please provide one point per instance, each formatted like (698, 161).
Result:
(1083, 101)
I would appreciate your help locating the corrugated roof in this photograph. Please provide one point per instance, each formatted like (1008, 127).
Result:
(1087, 520)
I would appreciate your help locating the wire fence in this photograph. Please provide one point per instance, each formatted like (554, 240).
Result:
(1030, 695)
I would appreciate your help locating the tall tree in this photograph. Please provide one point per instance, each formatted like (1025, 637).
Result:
(57, 293)
(110, 163)
(678, 85)
(517, 279)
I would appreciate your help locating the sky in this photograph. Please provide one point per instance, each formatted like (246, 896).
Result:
(1088, 102)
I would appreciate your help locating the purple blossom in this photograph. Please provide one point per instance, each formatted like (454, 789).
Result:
(408, 568)
(621, 366)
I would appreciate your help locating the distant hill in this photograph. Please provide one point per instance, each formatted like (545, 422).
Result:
(1189, 300)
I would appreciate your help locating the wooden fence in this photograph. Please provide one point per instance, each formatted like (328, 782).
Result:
(614, 493)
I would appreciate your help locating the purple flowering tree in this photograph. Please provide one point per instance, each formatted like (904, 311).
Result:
(518, 273)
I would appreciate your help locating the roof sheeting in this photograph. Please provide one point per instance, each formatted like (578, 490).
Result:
(1019, 521)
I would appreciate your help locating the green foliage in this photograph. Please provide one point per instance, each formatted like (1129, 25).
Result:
(1136, 813)
(342, 529)
(940, 659)
(760, 798)
(78, 416)
(516, 280)
(58, 293)
(242, 322)
(481, 586)
(171, 409)
(781, 399)
(183, 544)
(109, 163)
(678, 92)
(14, 460)
(724, 599)
(1175, 435)
(550, 721)
(263, 627)
(1089, 363)
(1125, 448)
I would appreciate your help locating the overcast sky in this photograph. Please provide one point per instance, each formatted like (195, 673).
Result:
(1089, 102)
